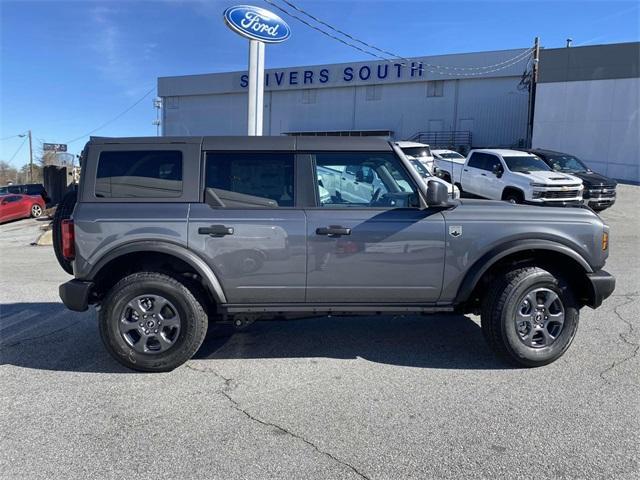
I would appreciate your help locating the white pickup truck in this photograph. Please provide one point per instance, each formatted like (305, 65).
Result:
(515, 176)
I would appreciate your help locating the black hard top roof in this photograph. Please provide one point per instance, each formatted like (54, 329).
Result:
(298, 143)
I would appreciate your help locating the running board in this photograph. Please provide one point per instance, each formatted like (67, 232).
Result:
(333, 309)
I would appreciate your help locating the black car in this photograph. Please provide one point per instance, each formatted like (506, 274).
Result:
(599, 191)
(27, 189)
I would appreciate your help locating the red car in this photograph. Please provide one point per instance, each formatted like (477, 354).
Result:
(13, 206)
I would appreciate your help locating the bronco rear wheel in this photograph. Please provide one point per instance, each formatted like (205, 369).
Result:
(152, 322)
(530, 317)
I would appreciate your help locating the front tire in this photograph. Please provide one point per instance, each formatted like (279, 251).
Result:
(530, 317)
(152, 322)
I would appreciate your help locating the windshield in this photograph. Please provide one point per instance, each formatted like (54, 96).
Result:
(420, 168)
(417, 151)
(567, 163)
(451, 156)
(526, 164)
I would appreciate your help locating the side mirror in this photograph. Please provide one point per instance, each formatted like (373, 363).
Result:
(437, 194)
(497, 170)
(359, 175)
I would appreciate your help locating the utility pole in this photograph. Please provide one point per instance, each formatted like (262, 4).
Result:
(30, 159)
(532, 90)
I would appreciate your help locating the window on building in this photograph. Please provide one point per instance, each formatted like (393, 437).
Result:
(264, 175)
(373, 92)
(309, 96)
(435, 88)
(139, 174)
(358, 179)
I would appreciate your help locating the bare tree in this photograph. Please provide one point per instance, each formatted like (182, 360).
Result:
(7, 173)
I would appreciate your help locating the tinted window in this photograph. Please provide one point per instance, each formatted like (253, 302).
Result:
(451, 156)
(264, 175)
(139, 174)
(353, 179)
(525, 164)
(492, 162)
(566, 163)
(477, 160)
(417, 152)
(33, 189)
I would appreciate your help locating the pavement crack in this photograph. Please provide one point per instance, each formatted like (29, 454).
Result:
(237, 407)
(228, 382)
(631, 298)
(37, 337)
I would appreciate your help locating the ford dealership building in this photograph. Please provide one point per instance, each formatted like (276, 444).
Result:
(586, 102)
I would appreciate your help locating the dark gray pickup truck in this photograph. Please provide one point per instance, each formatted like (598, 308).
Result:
(166, 235)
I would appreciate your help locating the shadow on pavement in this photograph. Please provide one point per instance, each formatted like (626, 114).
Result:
(47, 336)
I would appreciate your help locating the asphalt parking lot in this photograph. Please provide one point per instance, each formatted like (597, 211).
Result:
(365, 397)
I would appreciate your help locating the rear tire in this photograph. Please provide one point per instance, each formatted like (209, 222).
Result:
(132, 328)
(63, 212)
(521, 332)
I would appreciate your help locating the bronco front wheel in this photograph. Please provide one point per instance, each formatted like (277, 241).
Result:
(152, 322)
(530, 317)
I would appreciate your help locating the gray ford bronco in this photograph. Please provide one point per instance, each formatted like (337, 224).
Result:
(168, 235)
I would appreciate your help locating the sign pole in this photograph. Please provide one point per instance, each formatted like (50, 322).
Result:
(256, 88)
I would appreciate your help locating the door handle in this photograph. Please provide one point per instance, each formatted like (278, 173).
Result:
(483, 174)
(333, 231)
(216, 230)
(466, 169)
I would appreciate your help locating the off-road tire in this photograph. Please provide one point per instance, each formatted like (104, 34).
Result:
(63, 212)
(498, 316)
(188, 301)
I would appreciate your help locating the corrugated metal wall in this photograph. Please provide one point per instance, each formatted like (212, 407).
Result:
(493, 109)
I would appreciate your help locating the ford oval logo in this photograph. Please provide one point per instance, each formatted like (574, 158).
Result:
(257, 23)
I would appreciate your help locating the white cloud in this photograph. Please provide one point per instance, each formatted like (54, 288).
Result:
(116, 53)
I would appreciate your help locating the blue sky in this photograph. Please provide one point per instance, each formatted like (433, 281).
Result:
(68, 67)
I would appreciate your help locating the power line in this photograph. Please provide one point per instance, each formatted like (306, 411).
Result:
(440, 69)
(10, 136)
(114, 118)
(385, 52)
(19, 148)
(292, 15)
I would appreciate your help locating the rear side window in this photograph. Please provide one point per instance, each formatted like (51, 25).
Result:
(34, 189)
(263, 175)
(139, 174)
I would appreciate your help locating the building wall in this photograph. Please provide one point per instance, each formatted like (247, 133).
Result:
(493, 109)
(597, 120)
(588, 104)
(489, 105)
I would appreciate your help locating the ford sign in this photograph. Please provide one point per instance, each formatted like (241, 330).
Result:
(257, 24)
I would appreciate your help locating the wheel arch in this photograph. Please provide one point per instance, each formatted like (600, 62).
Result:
(538, 252)
(510, 188)
(133, 255)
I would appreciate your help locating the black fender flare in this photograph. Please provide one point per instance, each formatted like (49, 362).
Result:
(484, 263)
(211, 281)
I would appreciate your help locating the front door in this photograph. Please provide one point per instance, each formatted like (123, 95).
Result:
(377, 247)
(256, 240)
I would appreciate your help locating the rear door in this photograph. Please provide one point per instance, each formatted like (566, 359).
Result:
(380, 248)
(248, 227)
